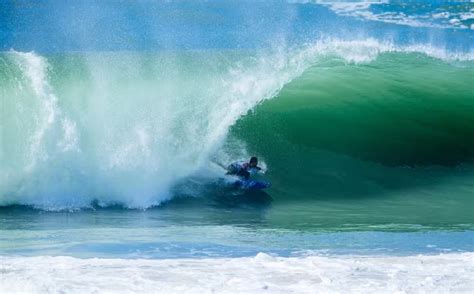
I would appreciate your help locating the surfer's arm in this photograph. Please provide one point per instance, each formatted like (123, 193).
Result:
(256, 169)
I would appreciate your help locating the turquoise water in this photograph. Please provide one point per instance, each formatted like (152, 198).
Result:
(211, 232)
(114, 132)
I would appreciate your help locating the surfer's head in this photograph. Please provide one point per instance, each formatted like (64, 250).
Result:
(253, 161)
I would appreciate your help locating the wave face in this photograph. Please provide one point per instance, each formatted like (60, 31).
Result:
(400, 124)
(121, 112)
(382, 111)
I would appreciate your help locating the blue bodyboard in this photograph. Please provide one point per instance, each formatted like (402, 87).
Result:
(251, 184)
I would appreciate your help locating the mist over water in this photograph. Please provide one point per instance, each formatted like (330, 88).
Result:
(135, 124)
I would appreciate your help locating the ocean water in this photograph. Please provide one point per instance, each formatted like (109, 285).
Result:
(117, 118)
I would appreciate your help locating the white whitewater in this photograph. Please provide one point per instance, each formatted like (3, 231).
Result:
(445, 273)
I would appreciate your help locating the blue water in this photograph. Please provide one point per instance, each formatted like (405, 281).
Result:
(159, 233)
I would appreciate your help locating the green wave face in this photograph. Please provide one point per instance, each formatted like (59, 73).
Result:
(400, 110)
(397, 132)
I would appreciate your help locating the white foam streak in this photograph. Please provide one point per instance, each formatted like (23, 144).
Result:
(34, 69)
(446, 273)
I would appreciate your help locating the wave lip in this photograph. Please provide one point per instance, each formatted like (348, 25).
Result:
(445, 273)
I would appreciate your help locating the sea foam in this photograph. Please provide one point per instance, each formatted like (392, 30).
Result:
(445, 273)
